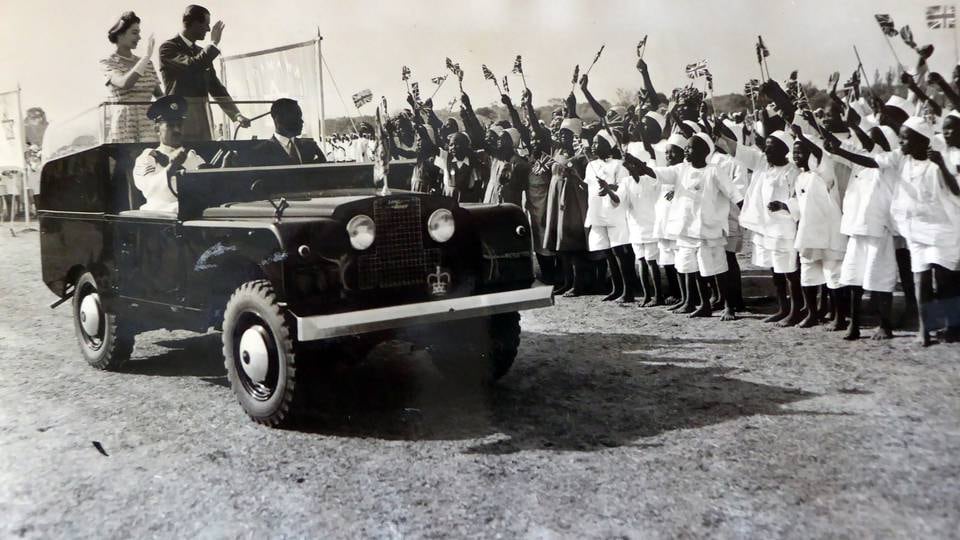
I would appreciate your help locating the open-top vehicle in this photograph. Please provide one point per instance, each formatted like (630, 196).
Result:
(280, 259)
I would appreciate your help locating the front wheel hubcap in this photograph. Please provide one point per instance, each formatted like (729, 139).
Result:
(90, 314)
(255, 353)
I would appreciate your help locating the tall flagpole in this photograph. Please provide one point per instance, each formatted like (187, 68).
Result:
(956, 54)
(323, 115)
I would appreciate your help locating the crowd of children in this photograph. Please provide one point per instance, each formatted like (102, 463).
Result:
(833, 202)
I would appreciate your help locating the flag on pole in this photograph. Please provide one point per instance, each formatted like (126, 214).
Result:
(381, 152)
(362, 97)
(762, 51)
(415, 90)
(752, 88)
(697, 69)
(455, 69)
(597, 57)
(907, 35)
(886, 24)
(438, 80)
(941, 17)
(641, 46)
(506, 85)
(576, 73)
(518, 65)
(487, 74)
(405, 73)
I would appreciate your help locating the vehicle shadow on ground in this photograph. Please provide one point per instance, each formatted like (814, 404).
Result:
(552, 400)
(567, 392)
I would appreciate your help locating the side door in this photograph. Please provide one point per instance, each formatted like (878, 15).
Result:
(149, 258)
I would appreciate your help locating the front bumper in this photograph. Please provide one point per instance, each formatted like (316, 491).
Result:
(374, 320)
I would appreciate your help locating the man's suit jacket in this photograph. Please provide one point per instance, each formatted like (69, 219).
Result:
(270, 152)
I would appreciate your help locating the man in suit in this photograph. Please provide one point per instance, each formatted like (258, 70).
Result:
(187, 70)
(284, 148)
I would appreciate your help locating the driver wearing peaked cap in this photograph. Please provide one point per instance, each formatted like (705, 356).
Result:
(155, 169)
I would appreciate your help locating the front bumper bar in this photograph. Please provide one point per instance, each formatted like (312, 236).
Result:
(373, 320)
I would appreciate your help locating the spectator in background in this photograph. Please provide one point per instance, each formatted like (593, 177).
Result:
(129, 78)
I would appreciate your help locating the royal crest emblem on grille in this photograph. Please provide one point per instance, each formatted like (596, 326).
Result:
(439, 282)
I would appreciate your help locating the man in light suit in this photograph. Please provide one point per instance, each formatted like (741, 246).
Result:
(187, 70)
(285, 148)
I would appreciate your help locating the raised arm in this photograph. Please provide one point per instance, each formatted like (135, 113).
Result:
(911, 83)
(832, 145)
(773, 91)
(125, 81)
(935, 78)
(177, 61)
(594, 104)
(652, 99)
(515, 120)
(853, 122)
(807, 143)
(471, 124)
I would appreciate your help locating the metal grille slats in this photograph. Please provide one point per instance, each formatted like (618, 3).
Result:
(399, 258)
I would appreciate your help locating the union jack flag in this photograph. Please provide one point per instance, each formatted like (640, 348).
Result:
(752, 88)
(576, 73)
(518, 65)
(405, 73)
(697, 69)
(506, 85)
(941, 17)
(886, 24)
(487, 74)
(642, 45)
(438, 80)
(362, 97)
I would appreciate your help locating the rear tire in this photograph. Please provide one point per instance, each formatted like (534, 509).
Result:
(259, 355)
(476, 351)
(106, 339)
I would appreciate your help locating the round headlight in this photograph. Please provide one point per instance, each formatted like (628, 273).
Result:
(361, 231)
(440, 225)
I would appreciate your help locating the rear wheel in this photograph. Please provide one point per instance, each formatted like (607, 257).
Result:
(476, 351)
(258, 354)
(106, 339)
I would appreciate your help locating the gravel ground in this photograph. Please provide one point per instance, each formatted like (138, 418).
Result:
(615, 422)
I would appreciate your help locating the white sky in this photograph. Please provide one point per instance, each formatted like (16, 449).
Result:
(51, 48)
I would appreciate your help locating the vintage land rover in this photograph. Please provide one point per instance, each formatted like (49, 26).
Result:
(282, 259)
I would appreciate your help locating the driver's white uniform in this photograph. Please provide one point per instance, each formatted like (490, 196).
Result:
(151, 178)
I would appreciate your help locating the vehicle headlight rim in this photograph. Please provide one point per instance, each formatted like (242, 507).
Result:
(441, 232)
(361, 242)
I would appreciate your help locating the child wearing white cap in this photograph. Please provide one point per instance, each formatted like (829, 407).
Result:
(643, 194)
(606, 218)
(819, 241)
(768, 212)
(697, 219)
(869, 262)
(926, 212)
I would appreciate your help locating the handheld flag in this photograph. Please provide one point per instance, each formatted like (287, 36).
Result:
(381, 152)
(506, 85)
(362, 97)
(405, 73)
(518, 65)
(697, 69)
(595, 58)
(415, 91)
(907, 35)
(438, 80)
(576, 74)
(941, 17)
(487, 74)
(762, 51)
(886, 24)
(642, 46)
(455, 69)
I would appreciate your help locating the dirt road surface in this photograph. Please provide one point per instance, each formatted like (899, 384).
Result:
(615, 422)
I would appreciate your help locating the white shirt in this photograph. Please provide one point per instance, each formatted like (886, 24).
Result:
(601, 210)
(289, 145)
(151, 178)
(866, 204)
(924, 211)
(818, 207)
(728, 167)
(701, 200)
(769, 183)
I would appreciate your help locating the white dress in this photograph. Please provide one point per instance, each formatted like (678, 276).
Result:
(606, 219)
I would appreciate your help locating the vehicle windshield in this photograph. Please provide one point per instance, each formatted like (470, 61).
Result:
(126, 122)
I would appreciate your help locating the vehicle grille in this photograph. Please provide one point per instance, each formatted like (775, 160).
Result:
(398, 257)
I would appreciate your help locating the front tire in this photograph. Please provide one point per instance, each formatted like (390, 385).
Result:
(259, 355)
(106, 339)
(477, 351)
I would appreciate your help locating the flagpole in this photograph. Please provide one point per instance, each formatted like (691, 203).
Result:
(323, 128)
(437, 89)
(956, 54)
(895, 57)
(863, 71)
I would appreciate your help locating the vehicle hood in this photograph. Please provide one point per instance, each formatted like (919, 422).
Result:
(316, 204)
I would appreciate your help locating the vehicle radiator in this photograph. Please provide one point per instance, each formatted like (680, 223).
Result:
(397, 258)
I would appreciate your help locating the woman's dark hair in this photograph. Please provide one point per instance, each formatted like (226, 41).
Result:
(194, 13)
(127, 19)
